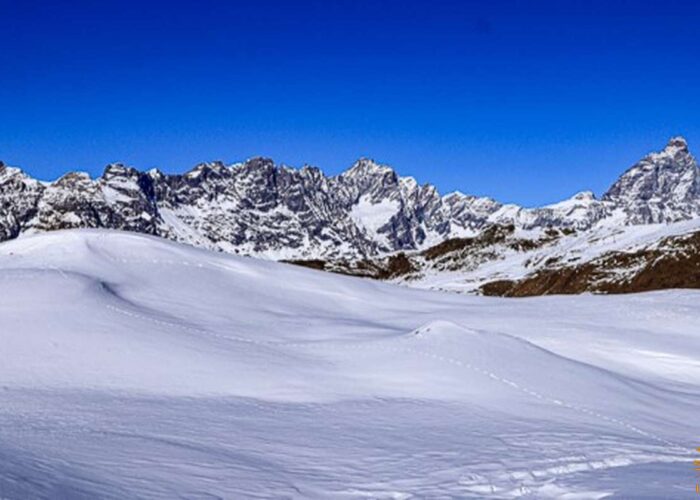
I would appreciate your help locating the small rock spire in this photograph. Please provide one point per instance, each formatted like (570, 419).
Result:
(677, 143)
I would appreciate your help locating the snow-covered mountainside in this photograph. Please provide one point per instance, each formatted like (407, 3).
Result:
(258, 208)
(135, 367)
(505, 261)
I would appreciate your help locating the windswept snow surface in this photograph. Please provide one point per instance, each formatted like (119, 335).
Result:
(133, 367)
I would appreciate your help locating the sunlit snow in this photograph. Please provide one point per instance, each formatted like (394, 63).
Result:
(133, 367)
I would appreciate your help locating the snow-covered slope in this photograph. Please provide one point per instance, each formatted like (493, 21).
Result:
(133, 367)
(470, 264)
(259, 208)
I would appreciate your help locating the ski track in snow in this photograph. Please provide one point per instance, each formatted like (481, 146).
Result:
(436, 357)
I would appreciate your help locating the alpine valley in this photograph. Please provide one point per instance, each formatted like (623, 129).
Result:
(642, 234)
(136, 367)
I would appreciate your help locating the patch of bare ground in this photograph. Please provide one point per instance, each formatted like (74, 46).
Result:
(317, 264)
(673, 263)
(450, 255)
(386, 268)
(492, 235)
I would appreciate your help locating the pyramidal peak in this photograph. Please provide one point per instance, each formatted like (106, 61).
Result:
(677, 144)
(118, 170)
(213, 166)
(662, 187)
(676, 149)
(367, 166)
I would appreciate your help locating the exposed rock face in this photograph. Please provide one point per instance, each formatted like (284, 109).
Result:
(672, 263)
(454, 254)
(367, 212)
(497, 262)
(19, 201)
(121, 199)
(663, 187)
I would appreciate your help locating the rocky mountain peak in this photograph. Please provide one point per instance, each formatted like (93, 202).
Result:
(72, 178)
(584, 196)
(4, 170)
(367, 167)
(676, 145)
(119, 170)
(257, 207)
(259, 163)
(14, 180)
(214, 168)
(662, 187)
(156, 174)
(675, 154)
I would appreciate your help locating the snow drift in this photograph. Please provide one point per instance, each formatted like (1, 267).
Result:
(136, 367)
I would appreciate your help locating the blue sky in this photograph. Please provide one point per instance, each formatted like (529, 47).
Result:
(525, 101)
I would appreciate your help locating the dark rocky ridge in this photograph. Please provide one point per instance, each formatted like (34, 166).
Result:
(453, 254)
(367, 221)
(674, 263)
(671, 262)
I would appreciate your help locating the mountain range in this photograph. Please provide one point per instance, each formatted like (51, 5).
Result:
(361, 219)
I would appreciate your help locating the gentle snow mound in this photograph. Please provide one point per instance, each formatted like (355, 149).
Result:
(136, 367)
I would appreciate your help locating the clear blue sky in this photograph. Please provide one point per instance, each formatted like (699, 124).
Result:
(525, 101)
